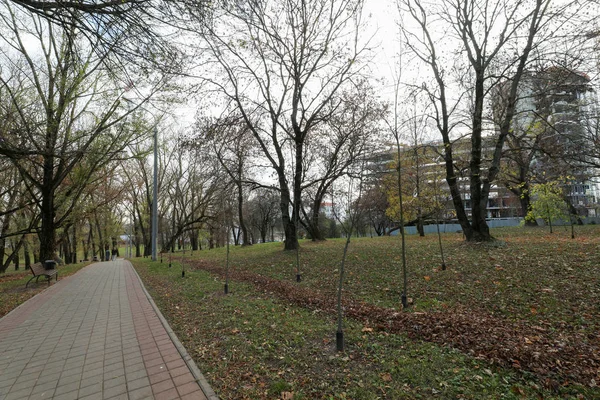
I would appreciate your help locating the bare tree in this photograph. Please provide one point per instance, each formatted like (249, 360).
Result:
(353, 216)
(394, 127)
(548, 138)
(495, 44)
(229, 139)
(125, 32)
(263, 213)
(12, 198)
(194, 183)
(374, 204)
(347, 138)
(281, 63)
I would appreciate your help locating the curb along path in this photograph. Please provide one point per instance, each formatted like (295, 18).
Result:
(95, 335)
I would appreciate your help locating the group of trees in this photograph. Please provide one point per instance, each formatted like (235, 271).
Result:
(496, 45)
(63, 127)
(289, 110)
(289, 118)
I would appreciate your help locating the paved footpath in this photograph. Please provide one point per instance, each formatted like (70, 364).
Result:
(95, 335)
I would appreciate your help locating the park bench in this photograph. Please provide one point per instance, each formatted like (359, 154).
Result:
(38, 271)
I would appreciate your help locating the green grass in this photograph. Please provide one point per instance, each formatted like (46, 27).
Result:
(252, 344)
(529, 274)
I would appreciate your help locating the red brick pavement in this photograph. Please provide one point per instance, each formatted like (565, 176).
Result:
(169, 375)
(24, 311)
(94, 335)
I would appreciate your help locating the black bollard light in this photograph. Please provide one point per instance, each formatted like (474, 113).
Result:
(226, 288)
(339, 341)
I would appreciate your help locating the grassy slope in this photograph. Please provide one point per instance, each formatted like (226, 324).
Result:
(253, 345)
(528, 275)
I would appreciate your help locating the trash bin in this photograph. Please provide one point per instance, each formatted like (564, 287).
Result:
(50, 264)
(107, 255)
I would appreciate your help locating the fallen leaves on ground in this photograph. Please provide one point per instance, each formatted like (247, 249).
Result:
(556, 355)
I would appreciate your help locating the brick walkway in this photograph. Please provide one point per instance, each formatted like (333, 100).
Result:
(94, 335)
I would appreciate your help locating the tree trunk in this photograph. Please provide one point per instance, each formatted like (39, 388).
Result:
(86, 247)
(5, 228)
(26, 253)
(420, 227)
(525, 202)
(418, 186)
(480, 229)
(211, 238)
(263, 235)
(74, 243)
(243, 228)
(47, 233)
(3, 244)
(140, 230)
(236, 235)
(91, 240)
(66, 250)
(15, 253)
(66, 246)
(100, 240)
(289, 226)
(148, 246)
(16, 259)
(313, 227)
(194, 239)
(574, 213)
(461, 215)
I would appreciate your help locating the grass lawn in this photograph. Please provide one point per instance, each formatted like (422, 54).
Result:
(12, 285)
(514, 319)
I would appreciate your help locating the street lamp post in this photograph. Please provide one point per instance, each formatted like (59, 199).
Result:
(131, 232)
(155, 197)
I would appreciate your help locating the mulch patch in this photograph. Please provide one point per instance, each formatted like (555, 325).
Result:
(557, 356)
(34, 288)
(13, 277)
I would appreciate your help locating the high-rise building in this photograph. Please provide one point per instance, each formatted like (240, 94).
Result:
(550, 134)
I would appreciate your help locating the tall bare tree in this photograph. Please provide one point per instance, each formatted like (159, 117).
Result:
(138, 32)
(195, 180)
(347, 138)
(281, 64)
(263, 213)
(233, 146)
(493, 44)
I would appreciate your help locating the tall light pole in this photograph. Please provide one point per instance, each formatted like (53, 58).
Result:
(131, 232)
(155, 197)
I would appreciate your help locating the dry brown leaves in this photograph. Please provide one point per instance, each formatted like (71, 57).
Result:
(554, 355)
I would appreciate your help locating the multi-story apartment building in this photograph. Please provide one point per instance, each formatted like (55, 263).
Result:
(549, 131)
(556, 110)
